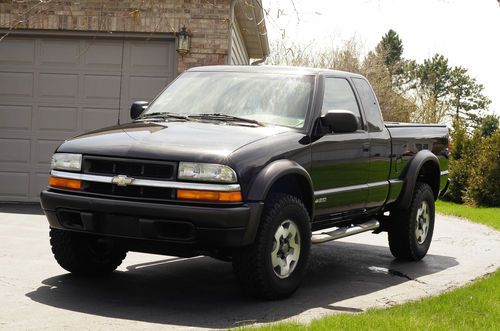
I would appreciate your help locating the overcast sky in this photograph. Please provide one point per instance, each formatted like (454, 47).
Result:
(467, 32)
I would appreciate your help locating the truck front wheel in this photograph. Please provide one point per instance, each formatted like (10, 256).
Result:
(410, 231)
(83, 254)
(274, 265)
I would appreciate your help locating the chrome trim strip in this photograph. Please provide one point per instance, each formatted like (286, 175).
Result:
(79, 176)
(151, 183)
(350, 188)
(381, 183)
(444, 173)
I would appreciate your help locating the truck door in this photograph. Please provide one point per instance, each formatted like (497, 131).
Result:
(380, 146)
(340, 161)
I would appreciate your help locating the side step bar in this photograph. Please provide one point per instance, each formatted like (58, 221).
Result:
(321, 236)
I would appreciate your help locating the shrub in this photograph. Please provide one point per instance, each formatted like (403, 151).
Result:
(462, 155)
(484, 180)
(459, 177)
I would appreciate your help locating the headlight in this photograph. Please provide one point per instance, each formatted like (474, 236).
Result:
(206, 172)
(65, 161)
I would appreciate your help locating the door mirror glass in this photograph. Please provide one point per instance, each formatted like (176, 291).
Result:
(138, 108)
(340, 121)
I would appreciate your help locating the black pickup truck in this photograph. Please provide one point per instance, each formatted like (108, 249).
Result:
(249, 164)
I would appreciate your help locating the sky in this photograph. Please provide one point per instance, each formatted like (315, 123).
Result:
(467, 32)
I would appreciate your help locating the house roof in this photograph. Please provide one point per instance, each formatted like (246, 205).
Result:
(250, 17)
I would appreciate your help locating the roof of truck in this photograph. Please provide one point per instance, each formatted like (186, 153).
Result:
(276, 69)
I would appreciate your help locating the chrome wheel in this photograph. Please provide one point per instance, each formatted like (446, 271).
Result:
(286, 249)
(423, 222)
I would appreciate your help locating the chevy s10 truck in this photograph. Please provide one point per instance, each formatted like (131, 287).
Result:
(248, 164)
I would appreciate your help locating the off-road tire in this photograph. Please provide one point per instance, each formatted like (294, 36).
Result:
(83, 254)
(402, 229)
(252, 264)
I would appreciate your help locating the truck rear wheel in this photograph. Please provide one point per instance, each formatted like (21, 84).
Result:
(275, 264)
(83, 254)
(411, 230)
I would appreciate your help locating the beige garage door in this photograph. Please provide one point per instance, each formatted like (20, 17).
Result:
(52, 88)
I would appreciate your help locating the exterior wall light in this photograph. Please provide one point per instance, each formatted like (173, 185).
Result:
(183, 42)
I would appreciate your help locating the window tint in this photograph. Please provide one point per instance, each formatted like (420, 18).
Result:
(370, 105)
(339, 95)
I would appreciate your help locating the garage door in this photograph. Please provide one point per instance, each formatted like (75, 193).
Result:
(54, 88)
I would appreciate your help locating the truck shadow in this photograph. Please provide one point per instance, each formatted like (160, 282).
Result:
(202, 292)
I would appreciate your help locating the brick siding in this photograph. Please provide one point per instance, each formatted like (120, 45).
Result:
(206, 20)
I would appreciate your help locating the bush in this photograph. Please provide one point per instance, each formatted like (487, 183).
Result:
(459, 177)
(462, 155)
(484, 180)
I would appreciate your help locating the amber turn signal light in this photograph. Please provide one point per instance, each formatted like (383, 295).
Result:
(72, 184)
(209, 195)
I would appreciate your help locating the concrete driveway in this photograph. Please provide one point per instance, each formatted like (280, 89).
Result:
(152, 291)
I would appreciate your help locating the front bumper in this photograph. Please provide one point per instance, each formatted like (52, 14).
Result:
(198, 226)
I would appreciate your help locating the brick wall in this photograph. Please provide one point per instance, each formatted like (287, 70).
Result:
(207, 20)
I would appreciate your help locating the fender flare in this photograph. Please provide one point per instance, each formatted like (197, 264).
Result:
(271, 173)
(261, 185)
(410, 176)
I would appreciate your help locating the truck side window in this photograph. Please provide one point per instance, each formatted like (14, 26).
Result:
(340, 96)
(370, 105)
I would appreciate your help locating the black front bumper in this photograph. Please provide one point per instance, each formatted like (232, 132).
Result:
(202, 227)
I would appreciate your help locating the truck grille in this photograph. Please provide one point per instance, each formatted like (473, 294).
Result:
(162, 193)
(145, 169)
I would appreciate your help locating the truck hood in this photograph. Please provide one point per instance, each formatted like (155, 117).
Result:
(175, 141)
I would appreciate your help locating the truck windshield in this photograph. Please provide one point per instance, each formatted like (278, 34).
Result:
(274, 99)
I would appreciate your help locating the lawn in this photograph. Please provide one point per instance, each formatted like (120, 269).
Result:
(475, 307)
(483, 215)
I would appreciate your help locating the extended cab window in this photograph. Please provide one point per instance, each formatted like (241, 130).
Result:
(339, 96)
(370, 105)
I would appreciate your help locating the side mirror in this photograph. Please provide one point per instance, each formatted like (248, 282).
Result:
(137, 108)
(340, 121)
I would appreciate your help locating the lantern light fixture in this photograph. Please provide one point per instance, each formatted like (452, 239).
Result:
(183, 41)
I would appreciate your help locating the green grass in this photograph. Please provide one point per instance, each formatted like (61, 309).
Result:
(475, 307)
(485, 215)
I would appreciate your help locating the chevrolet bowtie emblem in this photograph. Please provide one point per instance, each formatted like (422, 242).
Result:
(122, 180)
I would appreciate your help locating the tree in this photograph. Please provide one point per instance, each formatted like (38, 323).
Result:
(442, 91)
(390, 48)
(488, 125)
(395, 105)
(466, 94)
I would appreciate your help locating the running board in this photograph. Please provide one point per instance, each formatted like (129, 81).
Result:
(321, 236)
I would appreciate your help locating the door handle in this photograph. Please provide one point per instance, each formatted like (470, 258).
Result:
(366, 147)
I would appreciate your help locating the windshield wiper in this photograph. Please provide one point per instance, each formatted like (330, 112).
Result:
(225, 117)
(163, 115)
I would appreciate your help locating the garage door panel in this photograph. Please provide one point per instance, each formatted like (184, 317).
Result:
(102, 87)
(107, 55)
(44, 150)
(57, 118)
(16, 84)
(15, 117)
(150, 56)
(94, 118)
(15, 150)
(14, 184)
(145, 88)
(55, 52)
(58, 85)
(40, 182)
(17, 51)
